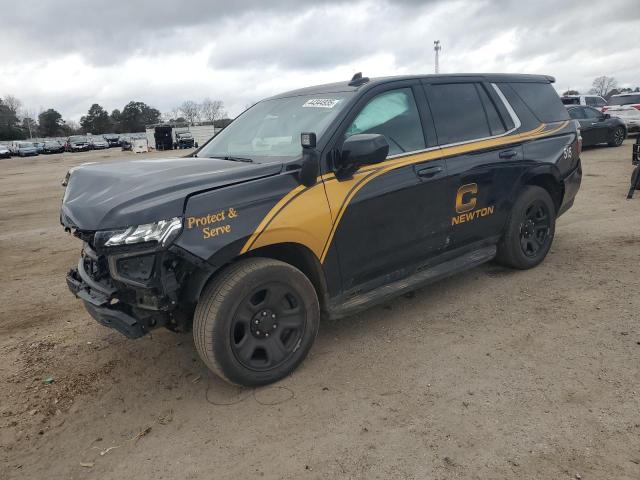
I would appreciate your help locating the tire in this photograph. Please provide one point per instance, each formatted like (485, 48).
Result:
(529, 231)
(239, 324)
(617, 137)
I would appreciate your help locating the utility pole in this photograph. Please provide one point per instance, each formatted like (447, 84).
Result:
(436, 48)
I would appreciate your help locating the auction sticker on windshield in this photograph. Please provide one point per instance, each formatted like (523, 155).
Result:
(321, 102)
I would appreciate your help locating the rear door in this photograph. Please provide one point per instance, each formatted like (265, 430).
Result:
(469, 117)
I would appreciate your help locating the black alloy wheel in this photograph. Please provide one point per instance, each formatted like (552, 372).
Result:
(534, 229)
(529, 231)
(618, 137)
(267, 326)
(256, 321)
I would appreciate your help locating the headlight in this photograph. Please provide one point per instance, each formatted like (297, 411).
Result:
(164, 232)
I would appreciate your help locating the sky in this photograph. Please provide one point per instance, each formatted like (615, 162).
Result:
(68, 54)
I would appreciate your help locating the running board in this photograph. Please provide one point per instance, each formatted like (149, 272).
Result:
(339, 309)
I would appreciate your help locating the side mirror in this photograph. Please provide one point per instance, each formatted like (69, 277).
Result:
(310, 167)
(363, 149)
(606, 116)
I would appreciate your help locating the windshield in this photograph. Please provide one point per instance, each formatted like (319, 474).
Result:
(25, 144)
(625, 99)
(77, 138)
(272, 128)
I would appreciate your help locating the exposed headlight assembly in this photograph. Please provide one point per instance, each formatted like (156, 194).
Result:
(163, 232)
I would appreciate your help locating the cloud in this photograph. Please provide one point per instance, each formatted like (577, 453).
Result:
(69, 54)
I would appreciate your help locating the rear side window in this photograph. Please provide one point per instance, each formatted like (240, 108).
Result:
(393, 114)
(458, 113)
(542, 100)
(493, 117)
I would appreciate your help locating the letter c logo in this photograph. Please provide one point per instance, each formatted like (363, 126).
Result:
(462, 205)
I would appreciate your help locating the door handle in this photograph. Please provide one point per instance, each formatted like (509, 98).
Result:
(508, 154)
(429, 172)
(593, 124)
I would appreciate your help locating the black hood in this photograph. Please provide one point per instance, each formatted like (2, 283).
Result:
(103, 196)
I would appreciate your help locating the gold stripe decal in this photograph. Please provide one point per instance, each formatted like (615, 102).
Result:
(304, 216)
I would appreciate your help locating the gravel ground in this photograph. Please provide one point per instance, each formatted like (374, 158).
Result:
(491, 374)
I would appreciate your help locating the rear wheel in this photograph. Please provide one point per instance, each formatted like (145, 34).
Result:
(617, 137)
(529, 231)
(256, 321)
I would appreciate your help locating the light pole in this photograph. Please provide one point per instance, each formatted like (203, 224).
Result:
(436, 48)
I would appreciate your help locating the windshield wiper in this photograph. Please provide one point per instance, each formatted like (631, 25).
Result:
(235, 159)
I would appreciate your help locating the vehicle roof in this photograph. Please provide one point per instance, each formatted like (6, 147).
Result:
(345, 86)
(625, 94)
(581, 95)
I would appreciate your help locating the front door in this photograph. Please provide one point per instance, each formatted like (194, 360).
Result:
(393, 217)
(599, 127)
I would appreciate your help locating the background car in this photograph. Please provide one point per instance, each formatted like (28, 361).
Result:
(597, 127)
(627, 107)
(23, 149)
(98, 142)
(595, 101)
(53, 147)
(184, 140)
(39, 146)
(126, 143)
(112, 139)
(4, 152)
(77, 143)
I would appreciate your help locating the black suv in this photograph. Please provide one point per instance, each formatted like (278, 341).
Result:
(184, 140)
(319, 203)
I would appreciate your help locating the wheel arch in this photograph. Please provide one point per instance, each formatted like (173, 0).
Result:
(550, 180)
(294, 254)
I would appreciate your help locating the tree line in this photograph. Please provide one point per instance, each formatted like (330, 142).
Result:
(605, 87)
(16, 123)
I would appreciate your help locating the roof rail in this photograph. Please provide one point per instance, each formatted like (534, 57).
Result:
(358, 80)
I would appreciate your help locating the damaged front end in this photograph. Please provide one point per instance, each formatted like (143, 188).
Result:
(133, 279)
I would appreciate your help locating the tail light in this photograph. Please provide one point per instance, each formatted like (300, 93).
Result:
(604, 109)
(636, 106)
(579, 139)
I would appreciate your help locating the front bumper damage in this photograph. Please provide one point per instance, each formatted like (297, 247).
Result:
(97, 302)
(133, 292)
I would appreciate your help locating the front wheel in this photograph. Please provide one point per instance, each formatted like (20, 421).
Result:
(617, 137)
(529, 231)
(256, 322)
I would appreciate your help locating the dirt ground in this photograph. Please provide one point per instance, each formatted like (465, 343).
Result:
(491, 374)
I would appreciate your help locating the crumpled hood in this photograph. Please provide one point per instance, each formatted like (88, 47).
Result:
(102, 196)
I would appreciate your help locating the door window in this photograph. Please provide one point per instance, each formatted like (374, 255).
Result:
(576, 113)
(458, 113)
(592, 113)
(393, 114)
(590, 101)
